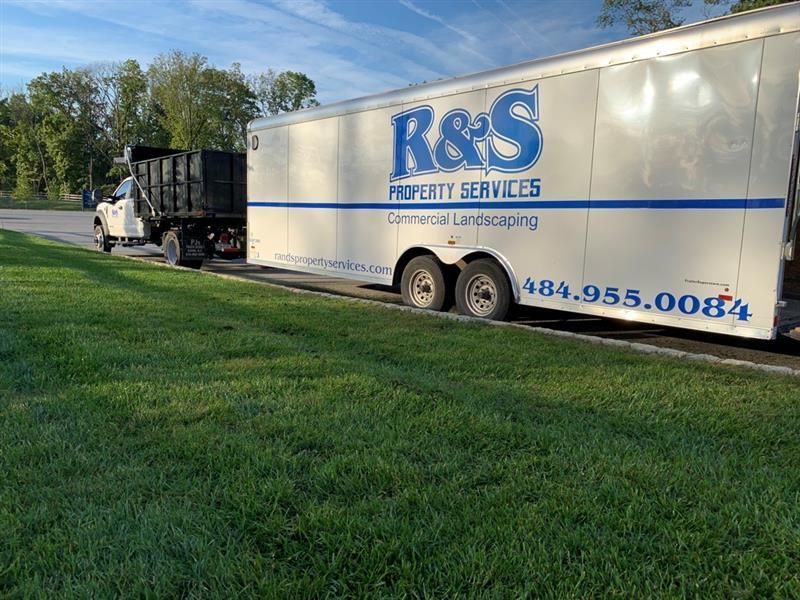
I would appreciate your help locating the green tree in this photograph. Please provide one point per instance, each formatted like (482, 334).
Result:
(30, 163)
(27, 170)
(735, 6)
(647, 16)
(123, 92)
(153, 123)
(230, 105)
(128, 110)
(642, 16)
(70, 111)
(283, 92)
(177, 85)
(7, 175)
(202, 106)
(261, 84)
(62, 133)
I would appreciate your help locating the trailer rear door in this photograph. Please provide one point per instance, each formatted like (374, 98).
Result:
(793, 198)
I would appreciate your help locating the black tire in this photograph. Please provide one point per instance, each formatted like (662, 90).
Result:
(101, 243)
(483, 291)
(171, 247)
(423, 284)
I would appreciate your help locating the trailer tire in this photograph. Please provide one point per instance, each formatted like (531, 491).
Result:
(171, 246)
(101, 243)
(423, 284)
(483, 291)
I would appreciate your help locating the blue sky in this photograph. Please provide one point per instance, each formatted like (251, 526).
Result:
(349, 47)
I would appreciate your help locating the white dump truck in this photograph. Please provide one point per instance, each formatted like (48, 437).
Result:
(192, 204)
(653, 179)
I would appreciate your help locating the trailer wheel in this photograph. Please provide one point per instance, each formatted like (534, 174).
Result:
(423, 284)
(101, 243)
(171, 246)
(482, 290)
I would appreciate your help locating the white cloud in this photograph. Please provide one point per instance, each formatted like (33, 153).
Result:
(68, 45)
(516, 18)
(428, 15)
(400, 46)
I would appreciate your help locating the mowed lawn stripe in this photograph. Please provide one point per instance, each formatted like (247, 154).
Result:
(167, 433)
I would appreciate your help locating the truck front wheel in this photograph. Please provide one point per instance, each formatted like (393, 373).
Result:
(482, 290)
(101, 239)
(423, 284)
(171, 246)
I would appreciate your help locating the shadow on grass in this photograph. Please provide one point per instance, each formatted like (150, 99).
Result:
(396, 349)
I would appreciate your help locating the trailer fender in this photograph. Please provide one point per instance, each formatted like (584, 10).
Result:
(450, 255)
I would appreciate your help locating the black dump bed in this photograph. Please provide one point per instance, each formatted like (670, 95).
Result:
(199, 183)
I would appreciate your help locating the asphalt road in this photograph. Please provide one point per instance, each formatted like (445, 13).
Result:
(76, 228)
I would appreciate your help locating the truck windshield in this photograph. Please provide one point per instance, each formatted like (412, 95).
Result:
(124, 189)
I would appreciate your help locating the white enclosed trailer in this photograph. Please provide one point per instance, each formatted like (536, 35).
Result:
(653, 179)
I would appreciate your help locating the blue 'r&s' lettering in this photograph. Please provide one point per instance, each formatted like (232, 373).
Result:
(507, 139)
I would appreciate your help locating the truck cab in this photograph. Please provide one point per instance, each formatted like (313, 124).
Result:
(115, 220)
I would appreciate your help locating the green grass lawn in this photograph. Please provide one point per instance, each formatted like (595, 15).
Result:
(168, 433)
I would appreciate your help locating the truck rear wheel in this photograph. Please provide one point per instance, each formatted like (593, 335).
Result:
(483, 291)
(423, 284)
(171, 246)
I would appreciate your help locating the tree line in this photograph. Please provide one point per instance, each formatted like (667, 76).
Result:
(648, 16)
(61, 134)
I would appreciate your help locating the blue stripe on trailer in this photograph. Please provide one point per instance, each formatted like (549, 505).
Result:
(664, 204)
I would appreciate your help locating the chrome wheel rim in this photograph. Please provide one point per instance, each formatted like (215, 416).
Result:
(422, 288)
(172, 254)
(99, 238)
(481, 295)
